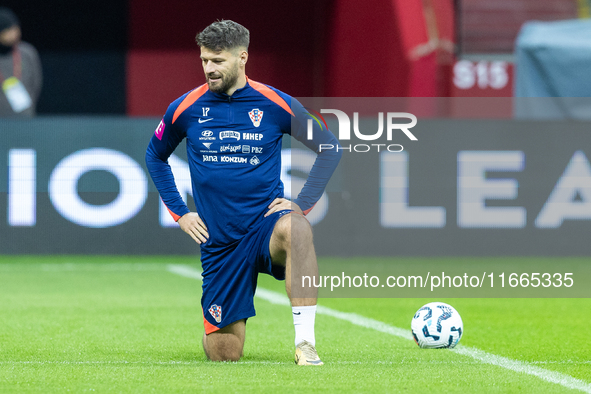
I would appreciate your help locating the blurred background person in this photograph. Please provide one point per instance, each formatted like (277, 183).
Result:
(20, 69)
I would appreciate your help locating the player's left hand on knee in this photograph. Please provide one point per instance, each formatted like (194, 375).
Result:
(281, 204)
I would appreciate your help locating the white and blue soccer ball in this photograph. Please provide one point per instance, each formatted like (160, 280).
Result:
(437, 325)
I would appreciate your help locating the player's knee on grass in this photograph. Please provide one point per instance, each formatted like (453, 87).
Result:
(225, 344)
(226, 348)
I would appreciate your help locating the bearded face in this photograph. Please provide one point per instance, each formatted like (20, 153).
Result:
(222, 69)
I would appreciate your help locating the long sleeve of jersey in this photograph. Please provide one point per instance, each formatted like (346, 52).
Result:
(159, 150)
(326, 162)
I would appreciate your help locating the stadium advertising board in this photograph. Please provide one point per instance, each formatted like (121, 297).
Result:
(462, 188)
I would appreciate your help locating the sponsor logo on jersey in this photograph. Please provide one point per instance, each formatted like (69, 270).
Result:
(229, 134)
(234, 159)
(256, 115)
(204, 120)
(230, 148)
(257, 149)
(208, 146)
(254, 160)
(207, 135)
(210, 158)
(245, 148)
(160, 130)
(216, 312)
(252, 136)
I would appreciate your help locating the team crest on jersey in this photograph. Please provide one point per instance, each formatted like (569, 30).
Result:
(256, 115)
(216, 312)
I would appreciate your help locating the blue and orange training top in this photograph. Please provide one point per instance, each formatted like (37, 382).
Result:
(234, 155)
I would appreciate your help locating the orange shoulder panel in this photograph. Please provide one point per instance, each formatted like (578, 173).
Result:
(270, 94)
(189, 100)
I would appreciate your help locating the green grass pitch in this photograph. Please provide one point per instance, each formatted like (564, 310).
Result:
(128, 324)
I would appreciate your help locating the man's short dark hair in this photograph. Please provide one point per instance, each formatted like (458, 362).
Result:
(223, 35)
(7, 19)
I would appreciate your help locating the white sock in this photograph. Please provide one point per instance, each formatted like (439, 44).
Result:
(303, 320)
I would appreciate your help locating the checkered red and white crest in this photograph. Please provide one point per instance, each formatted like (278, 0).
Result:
(216, 312)
(256, 115)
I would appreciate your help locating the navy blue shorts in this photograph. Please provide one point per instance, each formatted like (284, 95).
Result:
(230, 280)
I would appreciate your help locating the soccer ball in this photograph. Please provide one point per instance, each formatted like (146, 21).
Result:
(437, 325)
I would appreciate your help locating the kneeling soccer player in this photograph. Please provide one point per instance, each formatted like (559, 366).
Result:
(234, 126)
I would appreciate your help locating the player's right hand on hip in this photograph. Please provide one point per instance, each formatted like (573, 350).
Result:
(192, 224)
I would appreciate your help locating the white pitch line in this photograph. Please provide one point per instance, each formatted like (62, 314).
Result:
(184, 270)
(366, 322)
(80, 267)
(199, 362)
(123, 362)
(524, 367)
